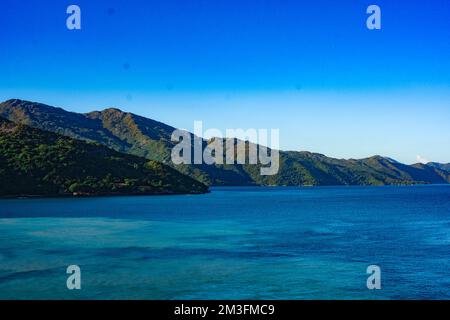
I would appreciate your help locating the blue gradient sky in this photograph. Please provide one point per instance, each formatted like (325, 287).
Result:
(310, 68)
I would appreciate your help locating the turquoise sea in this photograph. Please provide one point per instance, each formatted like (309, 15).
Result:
(233, 243)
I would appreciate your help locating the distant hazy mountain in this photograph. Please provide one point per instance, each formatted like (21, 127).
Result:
(127, 132)
(38, 162)
(442, 166)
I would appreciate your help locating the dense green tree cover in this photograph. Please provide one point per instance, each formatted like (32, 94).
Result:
(130, 133)
(37, 162)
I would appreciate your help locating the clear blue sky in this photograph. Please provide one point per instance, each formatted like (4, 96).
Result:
(310, 68)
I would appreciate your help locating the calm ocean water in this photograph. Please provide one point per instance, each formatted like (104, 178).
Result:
(234, 243)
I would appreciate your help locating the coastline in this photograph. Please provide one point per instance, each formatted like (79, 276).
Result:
(209, 190)
(99, 195)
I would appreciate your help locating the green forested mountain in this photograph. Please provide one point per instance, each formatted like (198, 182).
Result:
(321, 170)
(124, 132)
(127, 132)
(37, 162)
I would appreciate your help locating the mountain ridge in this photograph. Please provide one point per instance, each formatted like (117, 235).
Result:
(148, 138)
(442, 166)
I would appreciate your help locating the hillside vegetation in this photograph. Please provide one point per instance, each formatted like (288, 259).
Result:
(133, 134)
(37, 162)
